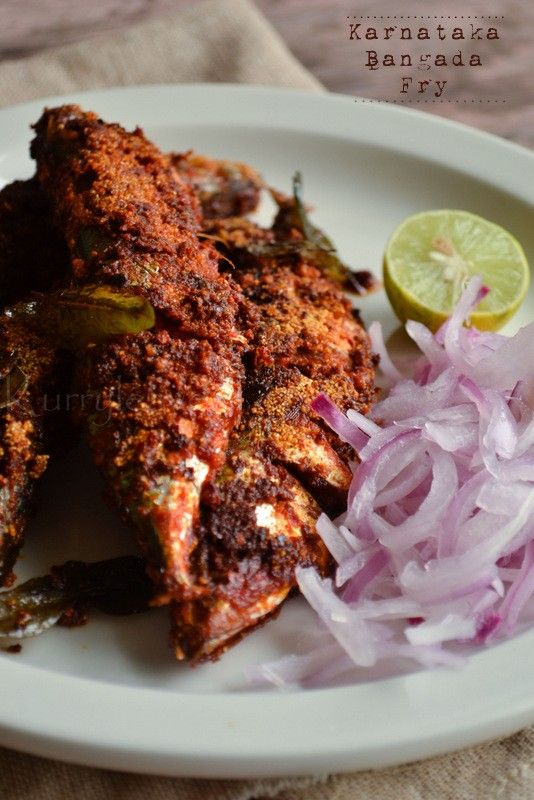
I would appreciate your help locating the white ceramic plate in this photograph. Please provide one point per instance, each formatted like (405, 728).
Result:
(109, 694)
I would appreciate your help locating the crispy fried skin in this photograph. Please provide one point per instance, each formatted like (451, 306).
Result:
(258, 519)
(308, 340)
(258, 524)
(224, 520)
(32, 257)
(168, 399)
(167, 406)
(130, 220)
(224, 188)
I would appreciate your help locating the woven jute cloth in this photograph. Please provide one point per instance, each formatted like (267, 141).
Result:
(228, 40)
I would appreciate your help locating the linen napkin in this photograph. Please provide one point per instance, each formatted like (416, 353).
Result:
(228, 40)
(217, 40)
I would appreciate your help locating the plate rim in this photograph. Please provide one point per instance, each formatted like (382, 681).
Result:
(233, 738)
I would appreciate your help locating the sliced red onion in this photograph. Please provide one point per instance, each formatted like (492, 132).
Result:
(474, 531)
(337, 666)
(498, 586)
(462, 508)
(461, 414)
(387, 366)
(419, 525)
(526, 437)
(426, 342)
(518, 469)
(451, 437)
(500, 434)
(508, 574)
(439, 527)
(354, 542)
(335, 418)
(405, 482)
(449, 578)
(487, 624)
(450, 628)
(388, 608)
(417, 400)
(351, 566)
(361, 579)
(504, 367)
(498, 498)
(396, 454)
(455, 341)
(429, 656)
(293, 669)
(365, 424)
(511, 535)
(520, 591)
(335, 542)
(354, 635)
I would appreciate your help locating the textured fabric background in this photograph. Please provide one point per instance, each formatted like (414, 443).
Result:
(213, 41)
(316, 33)
(240, 46)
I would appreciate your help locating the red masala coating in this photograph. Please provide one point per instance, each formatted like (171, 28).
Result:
(164, 411)
(258, 520)
(34, 257)
(224, 538)
(129, 219)
(258, 524)
(308, 339)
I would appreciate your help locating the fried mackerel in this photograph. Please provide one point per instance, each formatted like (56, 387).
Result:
(32, 257)
(258, 516)
(167, 399)
(221, 494)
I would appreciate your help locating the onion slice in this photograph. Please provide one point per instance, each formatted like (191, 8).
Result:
(436, 549)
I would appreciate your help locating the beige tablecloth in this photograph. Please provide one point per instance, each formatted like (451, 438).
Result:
(228, 40)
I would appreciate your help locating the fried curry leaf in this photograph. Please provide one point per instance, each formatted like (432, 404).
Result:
(115, 586)
(72, 318)
(315, 245)
(311, 233)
